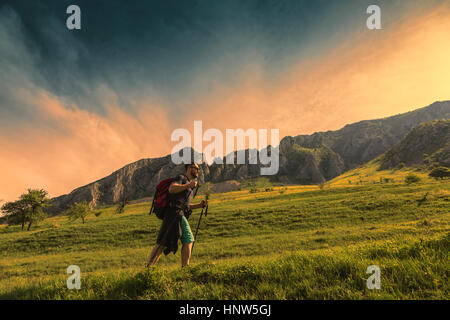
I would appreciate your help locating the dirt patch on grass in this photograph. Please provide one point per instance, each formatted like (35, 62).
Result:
(226, 186)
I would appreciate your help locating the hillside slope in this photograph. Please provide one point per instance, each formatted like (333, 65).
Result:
(296, 242)
(428, 143)
(304, 159)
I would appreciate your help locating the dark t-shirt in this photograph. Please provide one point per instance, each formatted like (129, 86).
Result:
(181, 200)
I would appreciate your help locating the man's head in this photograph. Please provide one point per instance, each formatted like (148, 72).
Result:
(191, 170)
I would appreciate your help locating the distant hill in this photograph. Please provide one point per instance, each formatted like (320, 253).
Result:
(134, 181)
(329, 154)
(304, 159)
(426, 144)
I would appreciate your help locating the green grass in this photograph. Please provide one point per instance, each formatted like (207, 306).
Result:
(295, 242)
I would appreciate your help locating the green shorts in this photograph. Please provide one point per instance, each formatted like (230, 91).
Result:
(186, 233)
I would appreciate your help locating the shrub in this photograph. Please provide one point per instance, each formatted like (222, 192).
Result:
(253, 190)
(411, 178)
(401, 165)
(440, 172)
(98, 213)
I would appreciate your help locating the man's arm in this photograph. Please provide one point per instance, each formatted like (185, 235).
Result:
(178, 187)
(198, 205)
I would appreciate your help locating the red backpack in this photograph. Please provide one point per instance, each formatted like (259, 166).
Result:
(161, 198)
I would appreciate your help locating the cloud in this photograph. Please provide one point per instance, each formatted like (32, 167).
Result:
(82, 148)
(86, 124)
(374, 74)
(47, 141)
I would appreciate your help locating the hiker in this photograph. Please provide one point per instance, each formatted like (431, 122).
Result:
(175, 225)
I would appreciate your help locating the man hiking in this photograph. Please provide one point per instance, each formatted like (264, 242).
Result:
(175, 225)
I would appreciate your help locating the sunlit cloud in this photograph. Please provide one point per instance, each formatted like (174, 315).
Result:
(377, 74)
(81, 148)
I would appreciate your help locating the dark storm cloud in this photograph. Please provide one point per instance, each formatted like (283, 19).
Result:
(168, 50)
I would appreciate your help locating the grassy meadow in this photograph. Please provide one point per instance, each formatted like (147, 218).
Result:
(275, 242)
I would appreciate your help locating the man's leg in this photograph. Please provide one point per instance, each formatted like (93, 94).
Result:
(186, 254)
(187, 239)
(155, 255)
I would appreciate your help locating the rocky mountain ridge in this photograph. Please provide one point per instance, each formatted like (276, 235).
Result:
(304, 159)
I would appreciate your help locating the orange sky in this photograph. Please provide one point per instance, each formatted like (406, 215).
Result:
(377, 74)
(381, 73)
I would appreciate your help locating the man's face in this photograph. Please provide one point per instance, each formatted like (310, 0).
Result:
(193, 171)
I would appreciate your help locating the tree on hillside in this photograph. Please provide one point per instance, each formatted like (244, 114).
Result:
(321, 185)
(123, 200)
(440, 172)
(16, 212)
(78, 210)
(35, 200)
(411, 178)
(121, 204)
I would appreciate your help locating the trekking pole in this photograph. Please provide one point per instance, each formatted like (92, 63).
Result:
(198, 224)
(195, 192)
(151, 208)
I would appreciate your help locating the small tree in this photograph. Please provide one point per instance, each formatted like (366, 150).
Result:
(411, 178)
(16, 212)
(440, 172)
(121, 205)
(78, 210)
(123, 201)
(35, 200)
